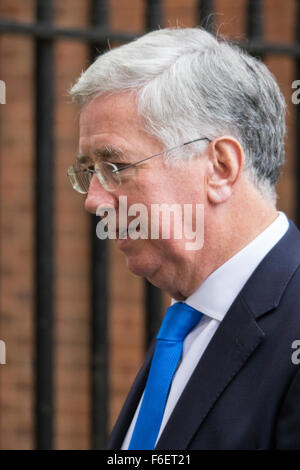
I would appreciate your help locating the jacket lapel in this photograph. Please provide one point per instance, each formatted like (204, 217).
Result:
(123, 422)
(235, 340)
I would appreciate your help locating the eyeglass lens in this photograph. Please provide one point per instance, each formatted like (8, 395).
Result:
(81, 177)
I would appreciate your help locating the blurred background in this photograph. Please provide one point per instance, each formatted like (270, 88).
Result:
(74, 320)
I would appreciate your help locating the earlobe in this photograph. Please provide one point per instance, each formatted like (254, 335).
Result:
(225, 166)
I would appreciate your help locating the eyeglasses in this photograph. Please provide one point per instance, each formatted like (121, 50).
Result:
(82, 171)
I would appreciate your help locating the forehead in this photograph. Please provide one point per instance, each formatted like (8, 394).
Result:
(105, 114)
(113, 120)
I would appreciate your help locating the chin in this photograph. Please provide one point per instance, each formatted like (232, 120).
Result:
(154, 273)
(142, 267)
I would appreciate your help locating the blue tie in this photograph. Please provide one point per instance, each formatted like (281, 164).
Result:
(179, 320)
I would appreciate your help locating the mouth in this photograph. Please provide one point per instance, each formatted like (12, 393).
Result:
(122, 242)
(126, 233)
(127, 236)
(121, 234)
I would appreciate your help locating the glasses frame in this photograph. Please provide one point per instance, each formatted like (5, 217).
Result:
(118, 170)
(160, 153)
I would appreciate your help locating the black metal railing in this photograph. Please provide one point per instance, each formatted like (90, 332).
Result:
(99, 294)
(44, 250)
(45, 32)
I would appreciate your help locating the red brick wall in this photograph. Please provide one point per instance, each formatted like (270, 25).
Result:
(72, 251)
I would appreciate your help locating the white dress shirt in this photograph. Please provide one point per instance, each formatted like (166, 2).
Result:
(213, 298)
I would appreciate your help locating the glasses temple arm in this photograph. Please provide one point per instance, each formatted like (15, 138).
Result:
(160, 153)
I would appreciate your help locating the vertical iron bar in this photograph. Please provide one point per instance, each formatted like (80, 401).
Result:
(99, 294)
(297, 123)
(153, 296)
(255, 26)
(154, 14)
(206, 14)
(44, 148)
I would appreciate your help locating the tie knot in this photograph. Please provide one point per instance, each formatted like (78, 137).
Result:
(178, 321)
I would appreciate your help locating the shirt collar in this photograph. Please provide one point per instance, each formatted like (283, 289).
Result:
(216, 294)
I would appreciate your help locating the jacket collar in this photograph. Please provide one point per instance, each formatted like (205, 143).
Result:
(267, 284)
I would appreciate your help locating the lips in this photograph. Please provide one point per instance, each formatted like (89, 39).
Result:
(125, 233)
(122, 234)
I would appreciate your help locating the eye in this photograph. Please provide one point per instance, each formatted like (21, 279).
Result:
(85, 162)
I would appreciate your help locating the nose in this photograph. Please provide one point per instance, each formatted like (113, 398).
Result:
(98, 196)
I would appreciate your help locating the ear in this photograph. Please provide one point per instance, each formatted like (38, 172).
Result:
(225, 163)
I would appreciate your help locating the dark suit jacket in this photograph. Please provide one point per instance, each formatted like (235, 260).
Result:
(245, 391)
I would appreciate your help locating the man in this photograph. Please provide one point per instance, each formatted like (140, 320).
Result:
(214, 119)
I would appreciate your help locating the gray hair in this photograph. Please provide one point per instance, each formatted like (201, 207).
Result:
(190, 84)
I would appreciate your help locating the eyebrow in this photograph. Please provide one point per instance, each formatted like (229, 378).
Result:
(106, 152)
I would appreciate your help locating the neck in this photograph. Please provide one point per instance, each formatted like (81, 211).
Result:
(226, 233)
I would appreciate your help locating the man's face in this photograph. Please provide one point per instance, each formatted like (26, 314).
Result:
(113, 122)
